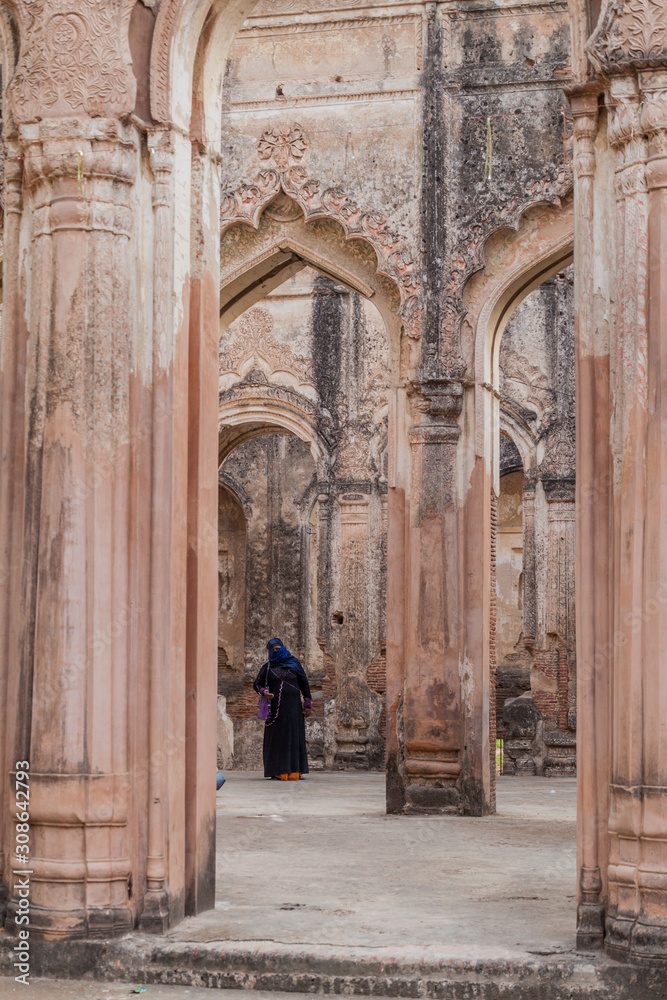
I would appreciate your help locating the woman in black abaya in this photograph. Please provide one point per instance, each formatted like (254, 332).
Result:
(283, 681)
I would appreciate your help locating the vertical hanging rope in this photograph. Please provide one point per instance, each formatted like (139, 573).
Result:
(488, 162)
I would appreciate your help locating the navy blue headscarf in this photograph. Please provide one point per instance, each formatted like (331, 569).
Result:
(281, 656)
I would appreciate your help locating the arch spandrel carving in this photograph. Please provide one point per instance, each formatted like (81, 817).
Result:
(253, 261)
(394, 258)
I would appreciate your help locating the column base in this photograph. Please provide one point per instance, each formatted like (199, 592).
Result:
(154, 918)
(68, 925)
(590, 927)
(432, 799)
(631, 940)
(394, 787)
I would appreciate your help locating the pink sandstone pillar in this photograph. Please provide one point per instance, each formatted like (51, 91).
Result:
(592, 545)
(202, 565)
(12, 365)
(396, 611)
(432, 700)
(637, 914)
(71, 599)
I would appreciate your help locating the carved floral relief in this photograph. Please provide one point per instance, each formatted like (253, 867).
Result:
(75, 59)
(630, 34)
(253, 345)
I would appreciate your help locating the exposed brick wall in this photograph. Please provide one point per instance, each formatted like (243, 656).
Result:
(376, 674)
(552, 661)
(244, 707)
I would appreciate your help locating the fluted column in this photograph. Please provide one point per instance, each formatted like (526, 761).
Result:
(71, 598)
(637, 916)
(202, 520)
(164, 503)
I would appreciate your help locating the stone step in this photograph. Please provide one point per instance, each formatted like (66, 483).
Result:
(324, 969)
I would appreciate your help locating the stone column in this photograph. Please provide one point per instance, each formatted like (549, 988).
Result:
(593, 553)
(560, 745)
(397, 504)
(432, 708)
(351, 643)
(202, 519)
(154, 916)
(71, 601)
(13, 341)
(529, 578)
(324, 505)
(637, 915)
(649, 936)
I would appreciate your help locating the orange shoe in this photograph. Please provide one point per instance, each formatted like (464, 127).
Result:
(294, 776)
(282, 777)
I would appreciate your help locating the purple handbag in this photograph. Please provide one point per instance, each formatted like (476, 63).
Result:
(264, 708)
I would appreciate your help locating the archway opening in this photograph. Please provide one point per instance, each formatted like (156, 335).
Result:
(535, 622)
(303, 417)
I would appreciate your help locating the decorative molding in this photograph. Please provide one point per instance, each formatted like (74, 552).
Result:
(307, 27)
(381, 96)
(560, 457)
(75, 59)
(276, 8)
(160, 57)
(394, 256)
(631, 34)
(510, 10)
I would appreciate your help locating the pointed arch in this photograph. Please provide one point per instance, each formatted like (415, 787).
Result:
(516, 262)
(253, 280)
(394, 256)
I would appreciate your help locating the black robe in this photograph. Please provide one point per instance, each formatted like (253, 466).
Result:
(285, 729)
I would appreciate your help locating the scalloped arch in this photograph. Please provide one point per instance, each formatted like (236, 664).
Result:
(394, 256)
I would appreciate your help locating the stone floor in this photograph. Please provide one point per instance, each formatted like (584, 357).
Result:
(320, 891)
(319, 862)
(67, 989)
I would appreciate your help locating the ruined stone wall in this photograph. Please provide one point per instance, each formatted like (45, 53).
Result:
(382, 108)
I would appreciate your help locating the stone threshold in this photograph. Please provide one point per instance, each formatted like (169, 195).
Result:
(327, 969)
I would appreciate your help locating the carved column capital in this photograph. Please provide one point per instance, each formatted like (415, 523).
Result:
(79, 173)
(624, 127)
(100, 148)
(585, 115)
(440, 399)
(653, 115)
(559, 490)
(631, 34)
